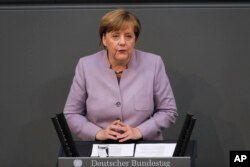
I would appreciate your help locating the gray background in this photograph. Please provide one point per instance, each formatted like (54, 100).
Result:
(205, 49)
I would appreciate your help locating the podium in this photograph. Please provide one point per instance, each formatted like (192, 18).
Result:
(85, 148)
(77, 153)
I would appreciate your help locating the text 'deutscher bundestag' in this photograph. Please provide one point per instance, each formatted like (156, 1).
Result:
(124, 162)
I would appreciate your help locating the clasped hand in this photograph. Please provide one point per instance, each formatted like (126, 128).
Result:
(119, 131)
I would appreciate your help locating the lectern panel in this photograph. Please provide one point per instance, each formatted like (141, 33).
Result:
(124, 162)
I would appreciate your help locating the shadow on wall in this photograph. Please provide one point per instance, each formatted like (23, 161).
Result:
(214, 135)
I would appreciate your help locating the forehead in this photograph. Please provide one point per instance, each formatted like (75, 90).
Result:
(124, 27)
(126, 31)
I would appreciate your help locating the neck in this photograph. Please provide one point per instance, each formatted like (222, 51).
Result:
(118, 68)
(117, 65)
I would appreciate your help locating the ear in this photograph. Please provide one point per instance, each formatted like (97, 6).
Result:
(104, 40)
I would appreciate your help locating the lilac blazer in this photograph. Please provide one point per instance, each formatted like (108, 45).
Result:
(143, 99)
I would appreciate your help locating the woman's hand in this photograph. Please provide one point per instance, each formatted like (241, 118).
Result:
(128, 132)
(111, 132)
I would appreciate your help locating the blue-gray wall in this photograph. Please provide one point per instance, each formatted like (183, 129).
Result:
(206, 49)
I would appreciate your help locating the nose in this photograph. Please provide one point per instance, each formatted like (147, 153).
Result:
(122, 40)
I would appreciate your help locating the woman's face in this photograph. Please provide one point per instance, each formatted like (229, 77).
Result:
(120, 44)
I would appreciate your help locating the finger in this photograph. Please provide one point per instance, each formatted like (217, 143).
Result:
(112, 137)
(121, 129)
(113, 133)
(114, 127)
(116, 122)
(109, 134)
(122, 124)
(124, 139)
(123, 135)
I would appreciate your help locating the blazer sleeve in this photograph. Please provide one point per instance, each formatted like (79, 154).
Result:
(75, 107)
(165, 111)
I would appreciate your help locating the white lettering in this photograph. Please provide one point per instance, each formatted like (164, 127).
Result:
(94, 163)
(243, 157)
(150, 163)
(133, 162)
(240, 158)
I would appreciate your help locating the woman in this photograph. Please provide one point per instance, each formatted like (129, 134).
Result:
(120, 93)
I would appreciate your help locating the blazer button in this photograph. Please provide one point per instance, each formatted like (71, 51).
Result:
(118, 104)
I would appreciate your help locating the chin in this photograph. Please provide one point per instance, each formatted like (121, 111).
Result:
(122, 57)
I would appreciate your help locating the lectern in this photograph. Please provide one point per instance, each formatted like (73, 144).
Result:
(78, 153)
(85, 147)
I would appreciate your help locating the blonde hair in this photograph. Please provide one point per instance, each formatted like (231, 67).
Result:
(118, 19)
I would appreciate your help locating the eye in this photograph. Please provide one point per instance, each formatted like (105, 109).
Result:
(129, 37)
(115, 36)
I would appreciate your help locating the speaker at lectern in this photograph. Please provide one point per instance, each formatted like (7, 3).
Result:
(184, 136)
(64, 135)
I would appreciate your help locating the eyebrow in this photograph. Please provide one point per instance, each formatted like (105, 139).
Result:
(117, 32)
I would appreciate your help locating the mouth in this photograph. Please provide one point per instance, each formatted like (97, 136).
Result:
(122, 50)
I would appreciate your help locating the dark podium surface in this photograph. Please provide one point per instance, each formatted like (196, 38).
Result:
(85, 147)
